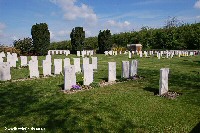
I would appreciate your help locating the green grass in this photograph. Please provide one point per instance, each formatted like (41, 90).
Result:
(124, 107)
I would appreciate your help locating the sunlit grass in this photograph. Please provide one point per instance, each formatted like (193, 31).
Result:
(124, 107)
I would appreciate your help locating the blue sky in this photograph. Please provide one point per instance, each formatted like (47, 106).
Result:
(18, 16)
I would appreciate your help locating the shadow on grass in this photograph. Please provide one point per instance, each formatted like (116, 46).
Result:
(14, 101)
(151, 89)
(196, 129)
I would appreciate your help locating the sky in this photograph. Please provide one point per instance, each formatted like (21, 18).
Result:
(18, 16)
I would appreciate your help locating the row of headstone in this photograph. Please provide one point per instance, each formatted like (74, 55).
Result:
(59, 52)
(129, 69)
(70, 75)
(85, 53)
(58, 66)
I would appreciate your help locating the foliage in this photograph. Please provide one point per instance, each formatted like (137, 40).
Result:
(63, 45)
(41, 38)
(91, 43)
(94, 85)
(77, 39)
(104, 41)
(25, 46)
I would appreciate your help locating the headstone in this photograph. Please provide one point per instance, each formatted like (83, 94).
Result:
(86, 61)
(57, 66)
(158, 55)
(23, 61)
(33, 57)
(129, 55)
(33, 68)
(69, 77)
(77, 65)
(140, 54)
(5, 71)
(48, 57)
(111, 71)
(88, 74)
(66, 62)
(163, 83)
(46, 65)
(94, 62)
(133, 68)
(125, 69)
(106, 53)
(78, 53)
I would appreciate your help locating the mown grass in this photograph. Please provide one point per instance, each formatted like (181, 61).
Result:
(124, 107)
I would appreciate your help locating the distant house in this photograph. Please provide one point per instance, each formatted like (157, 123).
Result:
(134, 47)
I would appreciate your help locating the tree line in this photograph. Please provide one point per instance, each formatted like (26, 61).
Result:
(172, 36)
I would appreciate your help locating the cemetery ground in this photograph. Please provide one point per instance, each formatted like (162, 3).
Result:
(130, 106)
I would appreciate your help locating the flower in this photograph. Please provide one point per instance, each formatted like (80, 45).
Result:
(76, 87)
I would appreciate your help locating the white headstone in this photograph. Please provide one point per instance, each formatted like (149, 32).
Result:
(5, 71)
(163, 83)
(129, 55)
(66, 62)
(78, 53)
(77, 65)
(23, 61)
(94, 62)
(33, 68)
(33, 57)
(46, 64)
(133, 67)
(125, 69)
(57, 66)
(86, 61)
(88, 74)
(69, 77)
(111, 71)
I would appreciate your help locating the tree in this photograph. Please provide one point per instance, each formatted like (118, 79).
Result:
(25, 46)
(41, 38)
(77, 39)
(104, 41)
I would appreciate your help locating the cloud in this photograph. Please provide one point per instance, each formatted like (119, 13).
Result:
(118, 24)
(63, 32)
(72, 11)
(197, 4)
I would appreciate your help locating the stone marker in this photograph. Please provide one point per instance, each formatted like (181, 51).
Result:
(86, 61)
(78, 53)
(23, 61)
(66, 62)
(129, 55)
(94, 62)
(5, 71)
(125, 69)
(46, 65)
(163, 82)
(133, 68)
(88, 74)
(1, 59)
(33, 68)
(34, 58)
(77, 65)
(111, 71)
(69, 77)
(57, 66)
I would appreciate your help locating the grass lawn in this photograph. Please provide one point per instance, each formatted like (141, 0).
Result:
(124, 107)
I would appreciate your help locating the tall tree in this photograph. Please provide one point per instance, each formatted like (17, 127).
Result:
(77, 39)
(41, 38)
(104, 41)
(25, 46)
